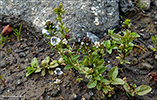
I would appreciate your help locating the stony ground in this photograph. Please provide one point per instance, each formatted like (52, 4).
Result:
(15, 56)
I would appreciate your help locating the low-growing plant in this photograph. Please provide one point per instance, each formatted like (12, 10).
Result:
(126, 23)
(2, 39)
(123, 43)
(134, 90)
(87, 57)
(17, 32)
(45, 64)
(154, 40)
(92, 64)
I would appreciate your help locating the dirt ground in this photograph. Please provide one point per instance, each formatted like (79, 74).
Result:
(15, 56)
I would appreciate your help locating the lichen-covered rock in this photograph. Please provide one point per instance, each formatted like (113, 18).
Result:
(82, 16)
(126, 5)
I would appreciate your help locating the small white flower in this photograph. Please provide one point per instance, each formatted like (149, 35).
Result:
(82, 43)
(45, 31)
(64, 41)
(97, 44)
(58, 71)
(55, 40)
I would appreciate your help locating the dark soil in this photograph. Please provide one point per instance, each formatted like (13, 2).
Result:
(15, 56)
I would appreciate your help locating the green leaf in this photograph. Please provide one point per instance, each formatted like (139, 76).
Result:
(127, 87)
(103, 69)
(107, 44)
(86, 60)
(98, 78)
(51, 72)
(98, 86)
(105, 89)
(53, 64)
(100, 63)
(43, 72)
(38, 69)
(75, 57)
(30, 70)
(45, 61)
(134, 34)
(117, 81)
(111, 31)
(113, 73)
(131, 44)
(109, 50)
(116, 37)
(92, 84)
(34, 62)
(142, 90)
(68, 67)
(105, 81)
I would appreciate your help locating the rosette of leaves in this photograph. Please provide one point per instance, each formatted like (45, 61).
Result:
(33, 68)
(46, 64)
(123, 43)
(134, 90)
(98, 81)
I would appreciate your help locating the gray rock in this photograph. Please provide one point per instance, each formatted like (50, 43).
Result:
(87, 96)
(126, 5)
(22, 54)
(95, 16)
(92, 36)
(150, 60)
(18, 82)
(108, 67)
(145, 66)
(143, 72)
(3, 64)
(19, 77)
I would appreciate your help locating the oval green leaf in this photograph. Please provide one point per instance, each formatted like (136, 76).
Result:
(142, 90)
(113, 73)
(92, 84)
(117, 81)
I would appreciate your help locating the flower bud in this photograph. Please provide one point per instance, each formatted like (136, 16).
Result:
(67, 36)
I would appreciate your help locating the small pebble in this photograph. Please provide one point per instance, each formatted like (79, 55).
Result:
(18, 82)
(3, 64)
(22, 54)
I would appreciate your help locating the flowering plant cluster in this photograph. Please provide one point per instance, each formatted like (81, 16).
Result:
(122, 43)
(87, 57)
